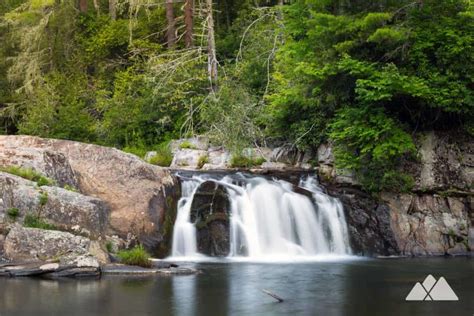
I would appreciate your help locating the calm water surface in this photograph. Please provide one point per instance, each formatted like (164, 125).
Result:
(351, 287)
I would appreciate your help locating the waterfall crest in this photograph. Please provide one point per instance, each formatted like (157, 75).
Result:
(268, 218)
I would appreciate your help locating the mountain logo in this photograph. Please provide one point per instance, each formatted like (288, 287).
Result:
(432, 290)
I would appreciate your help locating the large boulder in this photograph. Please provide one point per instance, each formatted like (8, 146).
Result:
(32, 244)
(138, 194)
(210, 212)
(189, 159)
(66, 210)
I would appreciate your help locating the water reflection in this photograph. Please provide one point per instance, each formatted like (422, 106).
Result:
(363, 287)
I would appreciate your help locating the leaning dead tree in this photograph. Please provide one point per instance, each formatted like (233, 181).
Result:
(211, 47)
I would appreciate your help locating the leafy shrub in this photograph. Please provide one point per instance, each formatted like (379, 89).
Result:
(28, 174)
(163, 156)
(136, 256)
(13, 213)
(187, 145)
(34, 221)
(241, 161)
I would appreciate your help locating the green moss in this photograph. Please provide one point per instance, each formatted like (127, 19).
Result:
(202, 161)
(187, 145)
(241, 161)
(70, 188)
(43, 199)
(29, 174)
(136, 256)
(34, 221)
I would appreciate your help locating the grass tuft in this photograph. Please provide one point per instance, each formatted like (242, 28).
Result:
(29, 174)
(136, 256)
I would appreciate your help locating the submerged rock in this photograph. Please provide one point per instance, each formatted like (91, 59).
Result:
(210, 212)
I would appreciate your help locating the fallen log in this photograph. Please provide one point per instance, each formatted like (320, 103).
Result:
(279, 299)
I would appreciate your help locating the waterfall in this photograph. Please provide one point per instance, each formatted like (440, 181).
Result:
(268, 218)
(184, 232)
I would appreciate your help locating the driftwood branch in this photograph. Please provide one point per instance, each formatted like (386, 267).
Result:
(279, 299)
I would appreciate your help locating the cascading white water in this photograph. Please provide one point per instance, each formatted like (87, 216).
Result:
(184, 233)
(269, 219)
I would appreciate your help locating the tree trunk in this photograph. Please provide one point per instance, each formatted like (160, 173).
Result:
(83, 6)
(97, 6)
(113, 9)
(171, 31)
(189, 22)
(280, 2)
(211, 47)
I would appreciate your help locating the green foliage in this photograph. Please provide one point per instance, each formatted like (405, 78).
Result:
(35, 221)
(371, 144)
(28, 174)
(13, 213)
(163, 156)
(136, 256)
(243, 161)
(137, 151)
(366, 75)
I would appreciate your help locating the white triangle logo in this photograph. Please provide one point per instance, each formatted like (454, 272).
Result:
(432, 290)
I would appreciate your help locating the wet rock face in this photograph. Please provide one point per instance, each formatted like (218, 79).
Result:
(210, 212)
(368, 223)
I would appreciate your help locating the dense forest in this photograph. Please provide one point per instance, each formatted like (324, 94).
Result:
(134, 74)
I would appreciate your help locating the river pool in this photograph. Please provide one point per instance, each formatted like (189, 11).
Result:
(342, 287)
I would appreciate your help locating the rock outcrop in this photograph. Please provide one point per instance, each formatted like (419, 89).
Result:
(210, 212)
(429, 224)
(447, 162)
(66, 210)
(196, 153)
(33, 244)
(138, 195)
